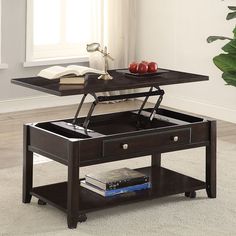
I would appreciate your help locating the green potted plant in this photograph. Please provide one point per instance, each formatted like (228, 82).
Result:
(226, 61)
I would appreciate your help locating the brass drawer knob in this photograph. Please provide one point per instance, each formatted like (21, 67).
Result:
(125, 146)
(175, 138)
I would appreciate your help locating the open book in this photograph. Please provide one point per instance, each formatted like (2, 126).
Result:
(56, 72)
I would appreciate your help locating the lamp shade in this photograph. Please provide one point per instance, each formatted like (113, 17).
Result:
(93, 47)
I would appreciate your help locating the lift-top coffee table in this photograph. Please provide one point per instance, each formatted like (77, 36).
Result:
(91, 140)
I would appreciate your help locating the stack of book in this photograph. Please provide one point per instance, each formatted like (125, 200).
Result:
(115, 182)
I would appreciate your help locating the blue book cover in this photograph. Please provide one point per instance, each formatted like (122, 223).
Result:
(113, 192)
(133, 188)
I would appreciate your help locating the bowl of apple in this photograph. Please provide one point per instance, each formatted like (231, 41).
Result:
(143, 67)
(142, 70)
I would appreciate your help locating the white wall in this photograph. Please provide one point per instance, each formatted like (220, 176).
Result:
(173, 33)
(13, 97)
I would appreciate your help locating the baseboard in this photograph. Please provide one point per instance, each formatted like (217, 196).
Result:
(200, 108)
(29, 103)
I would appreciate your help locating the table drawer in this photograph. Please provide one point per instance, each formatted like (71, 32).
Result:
(147, 141)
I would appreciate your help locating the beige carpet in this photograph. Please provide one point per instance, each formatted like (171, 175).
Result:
(175, 215)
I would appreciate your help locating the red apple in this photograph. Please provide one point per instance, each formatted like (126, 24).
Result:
(133, 67)
(152, 67)
(142, 68)
(145, 62)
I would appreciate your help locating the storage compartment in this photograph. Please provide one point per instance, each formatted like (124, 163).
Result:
(176, 116)
(103, 125)
(118, 123)
(68, 133)
(126, 122)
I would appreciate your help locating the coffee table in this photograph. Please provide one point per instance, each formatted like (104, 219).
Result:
(96, 139)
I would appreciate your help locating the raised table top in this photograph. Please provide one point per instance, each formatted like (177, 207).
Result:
(119, 82)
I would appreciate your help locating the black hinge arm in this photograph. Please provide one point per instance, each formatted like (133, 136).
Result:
(128, 96)
(79, 108)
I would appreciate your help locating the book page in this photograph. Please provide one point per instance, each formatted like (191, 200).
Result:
(82, 70)
(55, 72)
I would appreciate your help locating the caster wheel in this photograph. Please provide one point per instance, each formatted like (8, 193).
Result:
(187, 194)
(192, 194)
(72, 224)
(82, 218)
(41, 203)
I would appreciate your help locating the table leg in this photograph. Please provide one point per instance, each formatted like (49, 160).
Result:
(27, 167)
(72, 186)
(156, 159)
(155, 172)
(211, 162)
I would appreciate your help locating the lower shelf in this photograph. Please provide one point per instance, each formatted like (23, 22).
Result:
(164, 182)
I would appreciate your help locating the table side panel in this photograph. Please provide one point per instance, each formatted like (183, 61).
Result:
(49, 143)
(200, 132)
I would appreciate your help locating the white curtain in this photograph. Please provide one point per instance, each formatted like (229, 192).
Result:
(118, 33)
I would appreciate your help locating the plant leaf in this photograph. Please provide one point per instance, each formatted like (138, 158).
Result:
(229, 78)
(234, 31)
(231, 15)
(211, 39)
(230, 47)
(233, 8)
(226, 62)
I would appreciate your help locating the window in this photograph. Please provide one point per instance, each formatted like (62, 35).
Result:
(61, 28)
(2, 65)
(0, 30)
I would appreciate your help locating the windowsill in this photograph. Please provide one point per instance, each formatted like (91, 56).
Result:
(55, 61)
(3, 66)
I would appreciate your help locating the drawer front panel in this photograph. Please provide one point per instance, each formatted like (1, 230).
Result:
(142, 142)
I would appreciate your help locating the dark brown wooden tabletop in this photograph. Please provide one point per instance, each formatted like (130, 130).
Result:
(120, 82)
